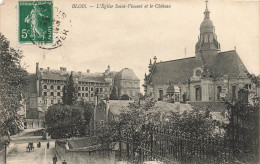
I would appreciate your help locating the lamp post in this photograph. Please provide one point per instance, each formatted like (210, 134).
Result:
(5, 139)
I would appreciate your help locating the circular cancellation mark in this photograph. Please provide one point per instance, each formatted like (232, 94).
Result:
(61, 27)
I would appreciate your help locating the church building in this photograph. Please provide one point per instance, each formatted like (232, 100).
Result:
(209, 76)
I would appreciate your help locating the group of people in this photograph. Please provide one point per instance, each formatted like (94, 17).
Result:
(39, 145)
(54, 159)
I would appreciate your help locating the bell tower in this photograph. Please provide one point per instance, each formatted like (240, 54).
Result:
(207, 45)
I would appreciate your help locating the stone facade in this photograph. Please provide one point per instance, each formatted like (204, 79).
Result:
(209, 76)
(127, 83)
(45, 87)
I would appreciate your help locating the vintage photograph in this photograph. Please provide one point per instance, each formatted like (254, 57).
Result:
(129, 82)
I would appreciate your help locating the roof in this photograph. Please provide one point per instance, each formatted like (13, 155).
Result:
(127, 74)
(213, 106)
(179, 71)
(117, 106)
(175, 71)
(62, 75)
(229, 63)
(167, 107)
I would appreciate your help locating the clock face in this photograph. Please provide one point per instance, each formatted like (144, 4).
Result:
(198, 73)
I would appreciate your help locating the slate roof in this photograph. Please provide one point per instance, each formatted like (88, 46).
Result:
(117, 106)
(166, 107)
(180, 70)
(176, 71)
(229, 63)
(86, 77)
(127, 74)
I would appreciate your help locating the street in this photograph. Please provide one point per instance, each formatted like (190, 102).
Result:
(42, 155)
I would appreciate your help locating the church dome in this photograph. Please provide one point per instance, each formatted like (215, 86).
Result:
(206, 23)
(127, 74)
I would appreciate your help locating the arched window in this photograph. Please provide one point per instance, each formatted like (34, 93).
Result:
(86, 94)
(92, 89)
(52, 94)
(45, 87)
(52, 87)
(198, 93)
(58, 87)
(78, 94)
(45, 93)
(58, 94)
(219, 89)
(86, 88)
(82, 94)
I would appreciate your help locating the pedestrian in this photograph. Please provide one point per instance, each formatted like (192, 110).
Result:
(48, 145)
(64, 162)
(39, 144)
(54, 159)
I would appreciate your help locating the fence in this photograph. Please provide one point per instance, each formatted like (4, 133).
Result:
(171, 146)
(168, 145)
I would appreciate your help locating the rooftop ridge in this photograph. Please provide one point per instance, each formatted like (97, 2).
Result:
(176, 60)
(227, 51)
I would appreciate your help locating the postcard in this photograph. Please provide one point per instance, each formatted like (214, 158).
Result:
(126, 81)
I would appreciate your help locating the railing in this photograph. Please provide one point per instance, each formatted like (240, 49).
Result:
(168, 145)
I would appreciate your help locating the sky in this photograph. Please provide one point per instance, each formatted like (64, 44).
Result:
(129, 38)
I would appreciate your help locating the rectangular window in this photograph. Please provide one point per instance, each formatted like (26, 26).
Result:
(160, 95)
(198, 93)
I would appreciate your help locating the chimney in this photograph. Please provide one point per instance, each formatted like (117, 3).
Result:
(88, 71)
(62, 69)
(37, 67)
(48, 69)
(79, 73)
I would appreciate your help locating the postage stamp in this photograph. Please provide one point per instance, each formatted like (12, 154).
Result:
(35, 22)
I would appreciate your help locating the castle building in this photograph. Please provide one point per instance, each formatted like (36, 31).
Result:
(209, 76)
(45, 87)
(127, 83)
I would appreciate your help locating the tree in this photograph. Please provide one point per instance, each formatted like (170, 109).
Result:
(113, 95)
(12, 79)
(69, 92)
(68, 120)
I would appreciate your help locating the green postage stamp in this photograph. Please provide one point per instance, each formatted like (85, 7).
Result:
(35, 22)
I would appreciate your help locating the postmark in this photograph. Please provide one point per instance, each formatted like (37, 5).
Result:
(56, 25)
(35, 22)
